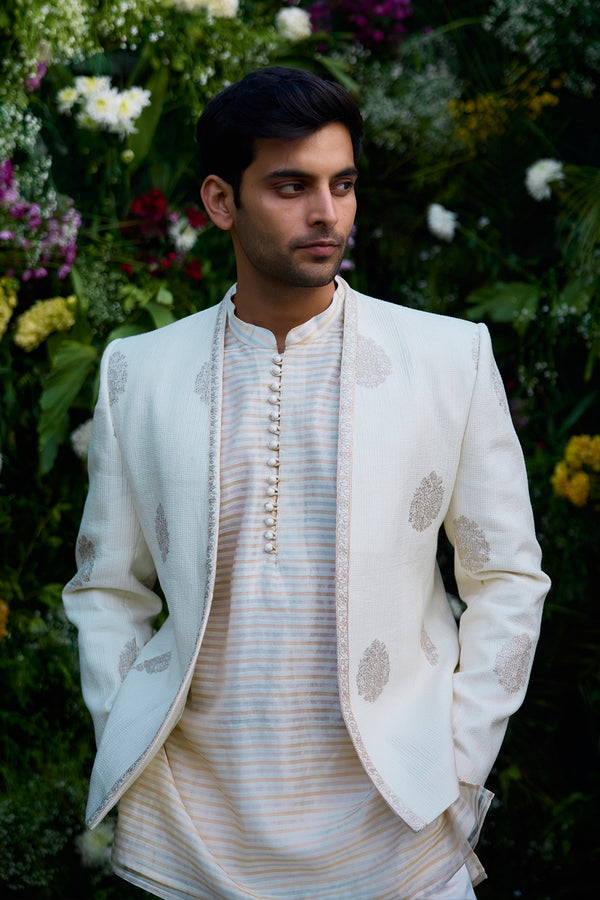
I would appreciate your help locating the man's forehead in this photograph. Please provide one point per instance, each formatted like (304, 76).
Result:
(331, 142)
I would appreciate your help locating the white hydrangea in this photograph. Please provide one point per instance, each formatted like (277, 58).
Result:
(540, 175)
(293, 24)
(441, 221)
(94, 846)
(80, 439)
(221, 9)
(182, 234)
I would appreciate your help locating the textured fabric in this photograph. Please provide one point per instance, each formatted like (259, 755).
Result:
(459, 887)
(424, 440)
(259, 791)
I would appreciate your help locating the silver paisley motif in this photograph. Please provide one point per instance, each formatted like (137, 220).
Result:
(117, 376)
(499, 388)
(475, 350)
(86, 556)
(202, 385)
(372, 363)
(162, 532)
(426, 502)
(471, 545)
(373, 671)
(512, 663)
(156, 664)
(429, 648)
(128, 656)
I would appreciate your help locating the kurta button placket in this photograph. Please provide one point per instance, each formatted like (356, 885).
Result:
(274, 399)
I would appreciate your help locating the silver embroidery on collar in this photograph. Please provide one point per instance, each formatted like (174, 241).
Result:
(202, 385)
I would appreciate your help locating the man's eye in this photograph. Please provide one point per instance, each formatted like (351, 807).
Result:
(291, 187)
(344, 187)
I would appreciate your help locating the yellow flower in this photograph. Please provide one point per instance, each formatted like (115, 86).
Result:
(578, 488)
(8, 301)
(576, 450)
(560, 479)
(4, 610)
(44, 318)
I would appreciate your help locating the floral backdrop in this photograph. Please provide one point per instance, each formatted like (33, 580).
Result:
(479, 197)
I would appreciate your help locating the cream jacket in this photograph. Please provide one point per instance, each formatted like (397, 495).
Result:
(425, 439)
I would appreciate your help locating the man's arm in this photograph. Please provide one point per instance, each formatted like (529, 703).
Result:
(109, 599)
(497, 567)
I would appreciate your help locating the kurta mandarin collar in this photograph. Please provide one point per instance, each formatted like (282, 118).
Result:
(257, 336)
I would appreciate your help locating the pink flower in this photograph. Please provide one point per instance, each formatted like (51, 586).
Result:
(33, 81)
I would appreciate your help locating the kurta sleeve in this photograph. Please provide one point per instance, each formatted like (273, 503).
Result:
(497, 567)
(109, 600)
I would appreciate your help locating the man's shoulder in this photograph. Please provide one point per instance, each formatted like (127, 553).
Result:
(193, 330)
(385, 314)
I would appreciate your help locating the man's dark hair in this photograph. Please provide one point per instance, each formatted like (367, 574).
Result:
(273, 102)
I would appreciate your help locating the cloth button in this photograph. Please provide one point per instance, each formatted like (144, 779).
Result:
(278, 360)
(273, 445)
(274, 416)
(273, 462)
(269, 548)
(275, 386)
(274, 429)
(272, 479)
(271, 492)
(269, 521)
(269, 535)
(269, 506)
(273, 399)
(276, 370)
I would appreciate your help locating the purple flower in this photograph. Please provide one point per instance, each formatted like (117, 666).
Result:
(19, 210)
(64, 271)
(8, 189)
(33, 81)
(6, 235)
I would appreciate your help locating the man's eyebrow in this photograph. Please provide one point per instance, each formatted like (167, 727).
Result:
(299, 173)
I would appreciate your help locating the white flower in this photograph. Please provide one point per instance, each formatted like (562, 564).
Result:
(223, 9)
(136, 99)
(67, 98)
(182, 234)
(80, 439)
(293, 24)
(88, 85)
(441, 222)
(102, 107)
(539, 176)
(94, 845)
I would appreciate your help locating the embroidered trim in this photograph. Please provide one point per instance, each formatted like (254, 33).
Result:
(372, 363)
(513, 662)
(429, 648)
(373, 671)
(116, 376)
(86, 555)
(426, 502)
(471, 545)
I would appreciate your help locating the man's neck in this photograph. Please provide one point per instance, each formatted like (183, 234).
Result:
(283, 308)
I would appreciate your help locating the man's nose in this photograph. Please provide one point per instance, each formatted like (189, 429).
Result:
(322, 208)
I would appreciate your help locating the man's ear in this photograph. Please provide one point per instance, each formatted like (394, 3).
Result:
(217, 197)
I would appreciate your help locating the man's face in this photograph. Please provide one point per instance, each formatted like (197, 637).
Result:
(297, 208)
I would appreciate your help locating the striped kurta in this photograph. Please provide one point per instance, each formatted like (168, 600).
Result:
(258, 791)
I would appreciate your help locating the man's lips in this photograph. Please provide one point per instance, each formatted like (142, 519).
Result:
(320, 248)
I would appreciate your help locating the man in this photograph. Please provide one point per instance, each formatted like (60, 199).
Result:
(309, 721)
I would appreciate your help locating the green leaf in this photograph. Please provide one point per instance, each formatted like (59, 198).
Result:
(141, 141)
(70, 368)
(514, 301)
(159, 314)
(126, 330)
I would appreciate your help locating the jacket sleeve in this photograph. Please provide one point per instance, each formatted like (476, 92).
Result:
(497, 567)
(109, 600)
